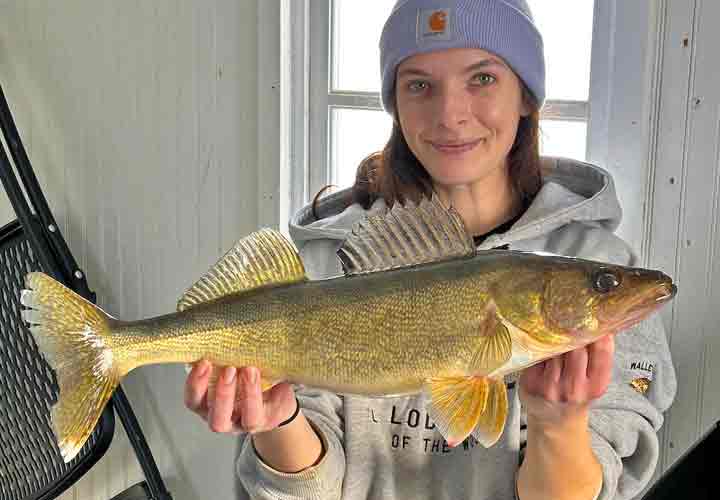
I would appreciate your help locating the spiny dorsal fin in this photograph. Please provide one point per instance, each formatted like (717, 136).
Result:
(405, 236)
(263, 258)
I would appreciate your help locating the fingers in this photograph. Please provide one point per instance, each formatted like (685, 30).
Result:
(220, 416)
(563, 387)
(574, 378)
(531, 379)
(236, 403)
(196, 388)
(561, 378)
(553, 369)
(600, 362)
(601, 356)
(252, 409)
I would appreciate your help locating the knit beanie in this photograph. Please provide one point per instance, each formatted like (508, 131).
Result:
(504, 27)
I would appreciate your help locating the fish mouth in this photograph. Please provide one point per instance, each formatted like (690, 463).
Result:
(671, 294)
(664, 292)
(657, 295)
(644, 305)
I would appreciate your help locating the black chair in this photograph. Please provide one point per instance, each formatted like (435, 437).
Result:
(693, 474)
(31, 467)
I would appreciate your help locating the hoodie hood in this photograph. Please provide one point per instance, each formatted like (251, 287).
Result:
(572, 192)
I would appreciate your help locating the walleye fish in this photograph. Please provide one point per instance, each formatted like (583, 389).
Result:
(417, 309)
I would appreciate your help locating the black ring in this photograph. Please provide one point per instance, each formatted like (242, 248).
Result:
(292, 417)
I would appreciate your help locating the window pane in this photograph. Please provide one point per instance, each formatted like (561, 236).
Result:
(355, 134)
(559, 138)
(567, 45)
(355, 39)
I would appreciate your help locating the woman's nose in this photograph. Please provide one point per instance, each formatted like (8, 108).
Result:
(453, 109)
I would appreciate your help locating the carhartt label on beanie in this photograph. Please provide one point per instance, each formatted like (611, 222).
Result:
(434, 24)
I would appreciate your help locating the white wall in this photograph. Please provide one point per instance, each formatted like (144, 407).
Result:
(140, 121)
(685, 214)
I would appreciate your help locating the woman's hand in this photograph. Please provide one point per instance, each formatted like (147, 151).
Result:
(561, 389)
(559, 460)
(236, 403)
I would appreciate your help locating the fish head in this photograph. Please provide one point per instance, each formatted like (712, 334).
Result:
(573, 302)
(624, 296)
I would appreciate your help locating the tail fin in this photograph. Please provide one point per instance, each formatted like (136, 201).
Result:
(72, 334)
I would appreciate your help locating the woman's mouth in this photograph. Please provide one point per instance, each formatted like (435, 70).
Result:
(455, 148)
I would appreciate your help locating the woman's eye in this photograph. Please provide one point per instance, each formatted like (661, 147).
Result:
(483, 78)
(417, 86)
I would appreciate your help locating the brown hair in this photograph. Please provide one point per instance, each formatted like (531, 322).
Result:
(395, 173)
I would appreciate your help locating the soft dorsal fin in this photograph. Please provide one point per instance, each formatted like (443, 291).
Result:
(264, 257)
(405, 236)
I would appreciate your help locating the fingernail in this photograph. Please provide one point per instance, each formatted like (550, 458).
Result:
(203, 369)
(230, 373)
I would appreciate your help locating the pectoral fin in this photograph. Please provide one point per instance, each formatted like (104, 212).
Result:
(495, 347)
(460, 406)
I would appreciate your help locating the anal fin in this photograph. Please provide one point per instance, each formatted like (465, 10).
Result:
(492, 422)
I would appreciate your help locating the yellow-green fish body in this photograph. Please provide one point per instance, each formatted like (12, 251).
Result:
(417, 309)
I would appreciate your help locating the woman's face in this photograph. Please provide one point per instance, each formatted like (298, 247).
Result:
(459, 111)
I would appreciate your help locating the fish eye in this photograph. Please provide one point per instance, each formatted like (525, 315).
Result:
(605, 281)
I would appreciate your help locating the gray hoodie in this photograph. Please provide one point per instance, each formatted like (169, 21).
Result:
(389, 448)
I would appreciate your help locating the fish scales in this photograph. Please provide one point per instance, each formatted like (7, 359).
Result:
(366, 335)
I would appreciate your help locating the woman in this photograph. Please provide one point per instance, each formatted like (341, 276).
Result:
(464, 81)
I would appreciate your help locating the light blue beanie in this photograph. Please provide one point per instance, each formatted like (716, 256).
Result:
(503, 27)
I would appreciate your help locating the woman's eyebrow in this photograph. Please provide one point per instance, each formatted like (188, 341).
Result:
(485, 63)
(412, 72)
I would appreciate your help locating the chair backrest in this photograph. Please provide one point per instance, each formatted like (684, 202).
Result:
(30, 463)
(31, 467)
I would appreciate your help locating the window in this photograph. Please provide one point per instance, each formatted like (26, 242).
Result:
(347, 122)
(324, 55)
